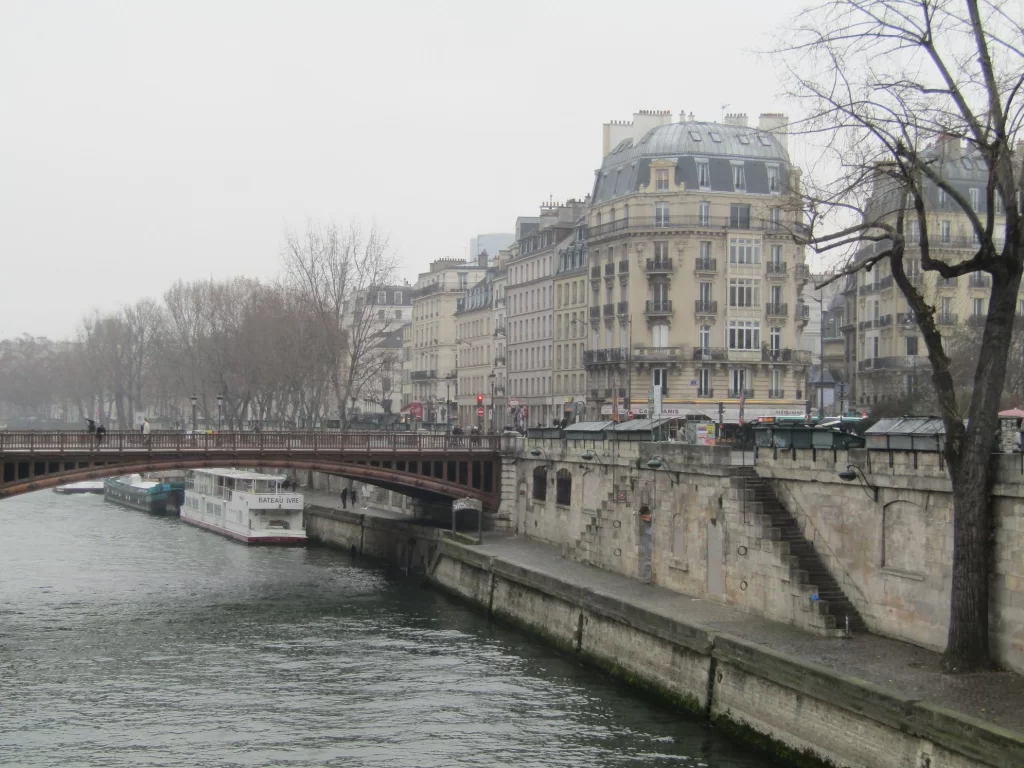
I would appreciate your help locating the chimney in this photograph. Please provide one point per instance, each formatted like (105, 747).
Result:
(482, 258)
(774, 123)
(736, 118)
(948, 146)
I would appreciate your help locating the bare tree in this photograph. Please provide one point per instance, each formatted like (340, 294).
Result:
(334, 270)
(902, 91)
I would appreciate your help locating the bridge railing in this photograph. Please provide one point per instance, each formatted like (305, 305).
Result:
(345, 442)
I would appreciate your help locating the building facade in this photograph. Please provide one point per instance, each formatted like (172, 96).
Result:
(694, 277)
(887, 358)
(530, 295)
(570, 317)
(430, 380)
(376, 324)
(475, 339)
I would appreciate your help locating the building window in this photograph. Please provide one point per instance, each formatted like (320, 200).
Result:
(776, 254)
(914, 235)
(942, 198)
(695, 136)
(382, 297)
(997, 201)
(715, 137)
(380, 314)
(705, 250)
(704, 337)
(979, 307)
(661, 214)
(398, 314)
(744, 334)
(744, 250)
(563, 487)
(659, 378)
(773, 178)
(775, 338)
(704, 382)
(540, 483)
(703, 174)
(911, 342)
(661, 250)
(744, 292)
(704, 213)
(661, 179)
(776, 382)
(737, 381)
(704, 292)
(739, 216)
(945, 230)
(739, 181)
(974, 198)
(774, 218)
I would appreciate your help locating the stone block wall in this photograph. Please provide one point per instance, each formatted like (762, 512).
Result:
(893, 556)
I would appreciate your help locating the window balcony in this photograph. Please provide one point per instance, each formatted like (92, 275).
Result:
(946, 318)
(775, 270)
(980, 281)
(599, 356)
(594, 394)
(710, 353)
(423, 375)
(738, 393)
(905, 318)
(705, 307)
(608, 310)
(976, 321)
(803, 313)
(884, 321)
(595, 272)
(658, 308)
(947, 282)
(609, 270)
(705, 393)
(610, 392)
(622, 309)
(776, 310)
(885, 282)
(657, 354)
(708, 266)
(595, 313)
(802, 272)
(659, 266)
(624, 267)
(776, 394)
(889, 363)
(784, 355)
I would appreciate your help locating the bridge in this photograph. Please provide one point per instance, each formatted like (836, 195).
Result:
(430, 466)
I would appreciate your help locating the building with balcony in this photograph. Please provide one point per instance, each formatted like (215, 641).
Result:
(429, 341)
(886, 354)
(691, 231)
(478, 339)
(530, 315)
(570, 316)
(374, 329)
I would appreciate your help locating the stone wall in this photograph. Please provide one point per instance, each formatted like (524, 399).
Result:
(686, 524)
(805, 714)
(893, 556)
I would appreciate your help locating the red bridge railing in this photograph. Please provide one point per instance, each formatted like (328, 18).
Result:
(234, 442)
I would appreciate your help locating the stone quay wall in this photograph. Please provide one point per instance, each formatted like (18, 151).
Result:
(805, 714)
(893, 556)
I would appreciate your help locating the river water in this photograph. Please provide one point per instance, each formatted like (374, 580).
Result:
(133, 640)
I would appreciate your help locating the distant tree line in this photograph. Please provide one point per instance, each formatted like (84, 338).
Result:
(290, 351)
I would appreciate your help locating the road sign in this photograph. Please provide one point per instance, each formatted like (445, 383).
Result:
(480, 411)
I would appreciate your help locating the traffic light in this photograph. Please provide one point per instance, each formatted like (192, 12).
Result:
(479, 399)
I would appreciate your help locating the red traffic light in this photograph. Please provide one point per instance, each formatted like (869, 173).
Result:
(479, 399)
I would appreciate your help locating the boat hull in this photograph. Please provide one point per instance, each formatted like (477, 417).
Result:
(254, 540)
(157, 502)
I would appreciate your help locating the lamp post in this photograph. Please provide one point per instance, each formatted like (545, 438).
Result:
(193, 399)
(491, 377)
(220, 411)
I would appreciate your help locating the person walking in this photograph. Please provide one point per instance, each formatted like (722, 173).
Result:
(146, 429)
(344, 498)
(101, 431)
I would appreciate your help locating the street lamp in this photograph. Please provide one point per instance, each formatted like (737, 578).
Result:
(193, 399)
(854, 472)
(220, 411)
(491, 377)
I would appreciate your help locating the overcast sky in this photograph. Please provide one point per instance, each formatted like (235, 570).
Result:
(143, 142)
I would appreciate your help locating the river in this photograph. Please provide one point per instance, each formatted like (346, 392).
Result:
(133, 640)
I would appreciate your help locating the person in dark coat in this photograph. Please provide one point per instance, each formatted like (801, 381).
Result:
(101, 431)
(344, 498)
(90, 426)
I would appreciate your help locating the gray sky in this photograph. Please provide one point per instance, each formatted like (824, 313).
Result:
(142, 142)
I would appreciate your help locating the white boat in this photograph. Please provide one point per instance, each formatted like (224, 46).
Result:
(85, 486)
(243, 505)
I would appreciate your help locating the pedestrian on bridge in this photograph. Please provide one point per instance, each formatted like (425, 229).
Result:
(101, 431)
(90, 426)
(344, 498)
(146, 438)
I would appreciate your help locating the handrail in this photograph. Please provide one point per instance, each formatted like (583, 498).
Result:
(230, 442)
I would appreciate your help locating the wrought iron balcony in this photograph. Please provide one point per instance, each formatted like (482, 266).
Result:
(710, 353)
(595, 313)
(976, 321)
(705, 307)
(946, 318)
(658, 308)
(608, 310)
(624, 267)
(706, 265)
(623, 308)
(776, 310)
(678, 222)
(883, 321)
(423, 375)
(906, 318)
(947, 282)
(738, 393)
(659, 266)
(888, 363)
(595, 272)
(775, 269)
(784, 355)
(803, 312)
(657, 354)
(802, 272)
(609, 269)
(885, 282)
(776, 394)
(980, 281)
(598, 356)
(705, 393)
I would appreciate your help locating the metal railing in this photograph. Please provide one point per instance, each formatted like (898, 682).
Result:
(980, 281)
(623, 308)
(609, 310)
(623, 266)
(595, 312)
(784, 355)
(775, 268)
(609, 269)
(701, 307)
(706, 265)
(659, 266)
(679, 221)
(737, 393)
(946, 318)
(658, 307)
(595, 271)
(710, 353)
(803, 312)
(657, 354)
(422, 375)
(705, 393)
(776, 394)
(231, 442)
(776, 310)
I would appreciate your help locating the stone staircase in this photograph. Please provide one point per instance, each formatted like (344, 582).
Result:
(806, 566)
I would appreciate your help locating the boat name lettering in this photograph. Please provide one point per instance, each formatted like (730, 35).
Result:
(278, 499)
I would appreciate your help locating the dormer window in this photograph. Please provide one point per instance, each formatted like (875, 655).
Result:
(739, 180)
(942, 198)
(398, 299)
(695, 135)
(715, 137)
(661, 179)
(765, 141)
(744, 139)
(773, 179)
(703, 174)
(382, 297)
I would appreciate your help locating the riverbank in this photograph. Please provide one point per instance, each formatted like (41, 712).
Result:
(866, 701)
